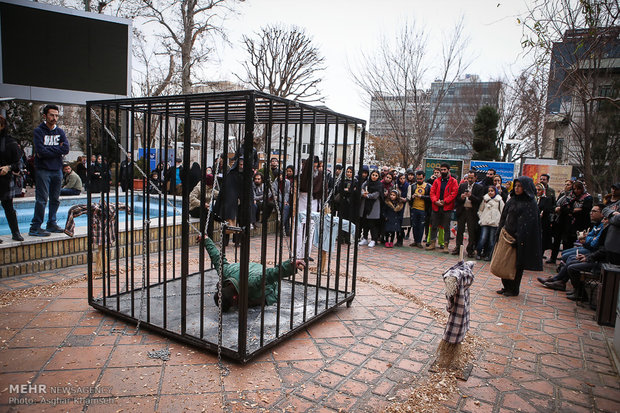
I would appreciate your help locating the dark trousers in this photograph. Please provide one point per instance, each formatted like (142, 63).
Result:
(574, 273)
(11, 215)
(514, 285)
(418, 218)
(468, 216)
(441, 218)
(372, 226)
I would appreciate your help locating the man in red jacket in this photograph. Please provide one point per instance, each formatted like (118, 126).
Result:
(443, 194)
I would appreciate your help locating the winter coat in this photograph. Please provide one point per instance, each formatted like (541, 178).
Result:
(521, 219)
(490, 210)
(346, 192)
(100, 178)
(545, 209)
(581, 219)
(255, 276)
(9, 155)
(449, 195)
(393, 215)
(375, 199)
(426, 197)
(477, 192)
(125, 176)
(196, 194)
(230, 193)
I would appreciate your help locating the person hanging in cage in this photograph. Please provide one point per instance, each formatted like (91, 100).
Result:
(230, 277)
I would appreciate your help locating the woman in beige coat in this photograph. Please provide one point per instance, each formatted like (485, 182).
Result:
(490, 212)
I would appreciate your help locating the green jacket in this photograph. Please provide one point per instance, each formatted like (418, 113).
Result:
(231, 273)
(72, 181)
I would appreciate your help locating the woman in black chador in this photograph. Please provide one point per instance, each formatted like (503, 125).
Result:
(521, 220)
(9, 163)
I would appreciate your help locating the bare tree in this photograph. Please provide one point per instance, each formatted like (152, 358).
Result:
(394, 79)
(284, 62)
(522, 113)
(577, 40)
(187, 28)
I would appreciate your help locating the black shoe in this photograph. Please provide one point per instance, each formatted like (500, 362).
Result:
(39, 232)
(18, 237)
(544, 280)
(311, 259)
(54, 228)
(556, 285)
(550, 261)
(577, 298)
(502, 291)
(510, 293)
(471, 255)
(487, 258)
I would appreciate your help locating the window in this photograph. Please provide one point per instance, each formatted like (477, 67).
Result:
(559, 148)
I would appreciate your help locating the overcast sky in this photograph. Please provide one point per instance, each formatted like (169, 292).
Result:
(343, 28)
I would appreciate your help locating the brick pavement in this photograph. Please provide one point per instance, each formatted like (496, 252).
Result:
(543, 352)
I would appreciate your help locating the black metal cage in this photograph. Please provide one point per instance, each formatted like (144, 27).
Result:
(145, 264)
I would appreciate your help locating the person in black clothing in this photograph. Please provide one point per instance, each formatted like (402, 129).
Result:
(560, 225)
(345, 199)
(100, 177)
(545, 209)
(80, 168)
(194, 175)
(125, 175)
(521, 220)
(468, 200)
(10, 155)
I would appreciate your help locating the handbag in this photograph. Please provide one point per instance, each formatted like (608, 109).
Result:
(504, 260)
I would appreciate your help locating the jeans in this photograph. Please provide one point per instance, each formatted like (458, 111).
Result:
(417, 222)
(48, 185)
(566, 254)
(69, 191)
(487, 240)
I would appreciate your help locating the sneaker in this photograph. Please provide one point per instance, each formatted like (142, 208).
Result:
(365, 242)
(387, 245)
(371, 244)
(54, 228)
(413, 244)
(39, 232)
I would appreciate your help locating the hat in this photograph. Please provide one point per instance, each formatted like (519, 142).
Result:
(178, 160)
(616, 185)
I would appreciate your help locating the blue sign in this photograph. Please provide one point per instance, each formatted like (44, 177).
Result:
(504, 169)
(155, 157)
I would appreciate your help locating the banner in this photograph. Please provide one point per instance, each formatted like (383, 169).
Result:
(456, 167)
(558, 174)
(504, 169)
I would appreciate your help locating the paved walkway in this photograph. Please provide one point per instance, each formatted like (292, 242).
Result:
(540, 351)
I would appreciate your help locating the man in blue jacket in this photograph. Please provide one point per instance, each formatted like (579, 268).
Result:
(50, 144)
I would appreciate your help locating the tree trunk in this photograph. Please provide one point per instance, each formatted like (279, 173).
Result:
(587, 146)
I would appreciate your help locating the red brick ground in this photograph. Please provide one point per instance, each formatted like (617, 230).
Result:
(544, 353)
